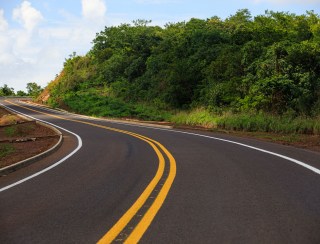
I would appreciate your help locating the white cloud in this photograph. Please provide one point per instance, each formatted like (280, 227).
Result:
(26, 15)
(6, 56)
(33, 53)
(3, 22)
(93, 9)
(288, 1)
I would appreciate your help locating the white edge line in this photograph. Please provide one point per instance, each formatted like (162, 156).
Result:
(51, 166)
(307, 166)
(315, 170)
(142, 124)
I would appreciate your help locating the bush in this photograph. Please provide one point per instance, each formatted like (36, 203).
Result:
(250, 122)
(5, 150)
(197, 117)
(94, 104)
(269, 123)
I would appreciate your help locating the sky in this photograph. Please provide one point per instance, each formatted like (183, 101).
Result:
(36, 36)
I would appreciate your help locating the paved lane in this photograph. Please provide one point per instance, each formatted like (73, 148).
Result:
(222, 193)
(78, 201)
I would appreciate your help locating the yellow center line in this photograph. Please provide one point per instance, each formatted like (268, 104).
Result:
(146, 220)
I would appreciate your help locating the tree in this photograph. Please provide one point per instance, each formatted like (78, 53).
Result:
(21, 94)
(34, 89)
(6, 91)
(268, 63)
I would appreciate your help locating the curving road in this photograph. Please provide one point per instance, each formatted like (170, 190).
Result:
(155, 185)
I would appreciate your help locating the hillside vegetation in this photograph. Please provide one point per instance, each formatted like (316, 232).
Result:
(241, 73)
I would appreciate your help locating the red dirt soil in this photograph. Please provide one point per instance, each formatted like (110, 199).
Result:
(35, 138)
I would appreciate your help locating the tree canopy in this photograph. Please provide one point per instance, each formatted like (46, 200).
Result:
(5, 90)
(268, 63)
(33, 89)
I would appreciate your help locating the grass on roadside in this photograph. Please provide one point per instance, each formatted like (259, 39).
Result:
(249, 122)
(197, 117)
(95, 104)
(269, 123)
(6, 149)
(19, 130)
(8, 119)
(104, 106)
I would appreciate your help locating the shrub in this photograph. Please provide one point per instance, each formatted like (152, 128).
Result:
(10, 131)
(269, 123)
(6, 149)
(197, 117)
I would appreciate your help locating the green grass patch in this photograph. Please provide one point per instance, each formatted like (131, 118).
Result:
(19, 130)
(6, 149)
(248, 122)
(10, 131)
(269, 123)
(197, 117)
(94, 104)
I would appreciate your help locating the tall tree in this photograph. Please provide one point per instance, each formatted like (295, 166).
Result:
(6, 91)
(34, 89)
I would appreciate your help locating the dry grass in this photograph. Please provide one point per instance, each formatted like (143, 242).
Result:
(7, 118)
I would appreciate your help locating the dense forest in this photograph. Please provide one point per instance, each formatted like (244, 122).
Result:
(261, 67)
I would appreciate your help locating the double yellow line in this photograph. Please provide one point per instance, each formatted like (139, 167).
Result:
(149, 215)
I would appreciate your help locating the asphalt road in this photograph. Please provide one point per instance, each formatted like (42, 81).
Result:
(222, 192)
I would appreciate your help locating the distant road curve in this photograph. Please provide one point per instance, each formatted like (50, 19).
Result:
(135, 183)
(51, 166)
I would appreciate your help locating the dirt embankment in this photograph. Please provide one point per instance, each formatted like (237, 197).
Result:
(21, 139)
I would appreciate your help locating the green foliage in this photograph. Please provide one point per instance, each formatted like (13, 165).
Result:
(6, 149)
(22, 93)
(197, 117)
(268, 123)
(18, 130)
(267, 66)
(5, 90)
(10, 131)
(34, 89)
(250, 122)
(105, 106)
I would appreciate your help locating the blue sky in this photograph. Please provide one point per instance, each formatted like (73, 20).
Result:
(37, 35)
